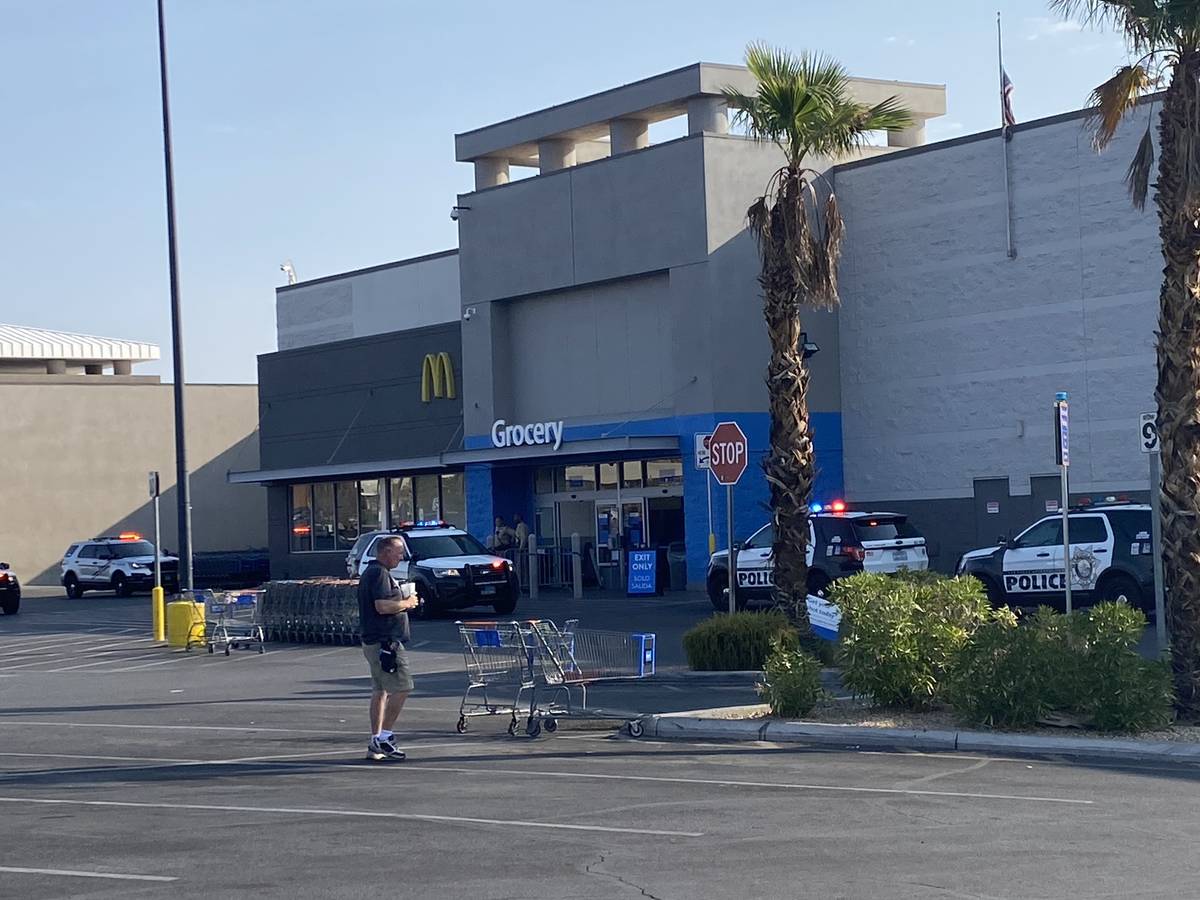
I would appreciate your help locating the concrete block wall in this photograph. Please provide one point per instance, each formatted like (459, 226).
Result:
(952, 353)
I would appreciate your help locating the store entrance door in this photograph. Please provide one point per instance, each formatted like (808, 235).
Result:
(614, 539)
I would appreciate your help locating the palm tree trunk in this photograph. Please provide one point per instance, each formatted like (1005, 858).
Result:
(789, 465)
(1178, 391)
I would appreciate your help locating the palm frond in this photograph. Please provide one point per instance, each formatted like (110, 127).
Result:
(1111, 101)
(1146, 25)
(1137, 179)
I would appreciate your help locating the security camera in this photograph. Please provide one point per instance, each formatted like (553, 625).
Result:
(455, 210)
(468, 313)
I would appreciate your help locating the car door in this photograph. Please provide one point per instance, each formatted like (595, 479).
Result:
(400, 573)
(1091, 550)
(86, 562)
(754, 562)
(1033, 568)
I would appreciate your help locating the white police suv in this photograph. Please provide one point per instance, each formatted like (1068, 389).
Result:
(840, 543)
(122, 563)
(1111, 559)
(451, 569)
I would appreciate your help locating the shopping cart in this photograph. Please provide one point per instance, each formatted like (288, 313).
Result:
(231, 621)
(567, 660)
(497, 655)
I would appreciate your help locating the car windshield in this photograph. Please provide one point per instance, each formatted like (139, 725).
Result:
(126, 549)
(868, 529)
(431, 546)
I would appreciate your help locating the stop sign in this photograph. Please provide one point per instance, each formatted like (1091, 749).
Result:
(728, 453)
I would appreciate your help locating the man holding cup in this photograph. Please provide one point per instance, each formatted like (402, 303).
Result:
(383, 607)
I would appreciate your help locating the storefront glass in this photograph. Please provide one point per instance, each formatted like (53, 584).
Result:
(577, 478)
(322, 524)
(370, 505)
(428, 505)
(346, 495)
(402, 501)
(301, 518)
(664, 472)
(454, 502)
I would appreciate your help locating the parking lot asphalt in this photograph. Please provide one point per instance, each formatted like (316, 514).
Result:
(127, 770)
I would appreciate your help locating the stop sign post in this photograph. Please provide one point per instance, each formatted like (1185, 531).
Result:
(728, 455)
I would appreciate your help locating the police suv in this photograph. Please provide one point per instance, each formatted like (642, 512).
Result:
(1111, 559)
(451, 569)
(121, 563)
(840, 543)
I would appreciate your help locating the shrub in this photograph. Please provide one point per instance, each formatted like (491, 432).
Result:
(899, 634)
(1085, 664)
(791, 680)
(737, 642)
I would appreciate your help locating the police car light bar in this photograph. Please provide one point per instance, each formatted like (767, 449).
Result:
(432, 523)
(838, 506)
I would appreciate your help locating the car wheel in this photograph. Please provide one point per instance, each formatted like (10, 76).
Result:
(506, 606)
(992, 589)
(716, 594)
(121, 586)
(818, 582)
(1120, 588)
(11, 604)
(74, 588)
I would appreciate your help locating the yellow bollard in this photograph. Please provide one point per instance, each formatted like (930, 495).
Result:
(158, 614)
(712, 544)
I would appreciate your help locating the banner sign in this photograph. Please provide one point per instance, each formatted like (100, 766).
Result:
(643, 572)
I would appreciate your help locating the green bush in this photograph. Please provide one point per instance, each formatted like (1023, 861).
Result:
(791, 680)
(899, 634)
(1085, 664)
(737, 642)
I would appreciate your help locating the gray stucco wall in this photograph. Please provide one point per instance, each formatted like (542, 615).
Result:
(411, 293)
(952, 353)
(357, 400)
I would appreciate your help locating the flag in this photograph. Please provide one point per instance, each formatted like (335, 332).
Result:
(1006, 92)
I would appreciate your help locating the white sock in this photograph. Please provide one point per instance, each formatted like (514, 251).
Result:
(384, 735)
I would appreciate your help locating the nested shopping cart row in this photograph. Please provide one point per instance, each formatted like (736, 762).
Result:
(540, 672)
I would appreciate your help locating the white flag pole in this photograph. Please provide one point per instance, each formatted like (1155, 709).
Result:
(1004, 136)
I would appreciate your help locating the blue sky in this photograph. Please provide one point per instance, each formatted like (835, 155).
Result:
(322, 130)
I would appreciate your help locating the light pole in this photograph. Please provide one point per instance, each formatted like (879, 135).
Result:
(183, 492)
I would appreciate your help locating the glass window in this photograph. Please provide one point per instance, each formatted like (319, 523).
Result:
(432, 546)
(1046, 533)
(631, 474)
(1087, 530)
(88, 551)
(402, 501)
(608, 476)
(301, 517)
(579, 478)
(427, 505)
(454, 500)
(370, 505)
(762, 539)
(346, 493)
(322, 516)
(544, 481)
(130, 549)
(662, 472)
(883, 529)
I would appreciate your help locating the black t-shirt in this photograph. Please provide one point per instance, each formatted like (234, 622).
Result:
(377, 583)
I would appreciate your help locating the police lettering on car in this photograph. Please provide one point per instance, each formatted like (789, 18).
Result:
(1107, 560)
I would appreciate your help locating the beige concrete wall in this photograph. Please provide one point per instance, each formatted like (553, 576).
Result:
(74, 459)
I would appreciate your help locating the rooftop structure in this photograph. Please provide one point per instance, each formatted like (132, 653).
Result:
(32, 351)
(618, 120)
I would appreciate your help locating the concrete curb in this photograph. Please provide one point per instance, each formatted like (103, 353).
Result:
(689, 726)
(690, 675)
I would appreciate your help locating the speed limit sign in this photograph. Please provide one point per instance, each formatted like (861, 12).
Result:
(1148, 432)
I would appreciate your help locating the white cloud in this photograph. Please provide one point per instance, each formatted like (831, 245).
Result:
(896, 39)
(1042, 27)
(890, 39)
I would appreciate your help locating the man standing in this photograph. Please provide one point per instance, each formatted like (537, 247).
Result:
(383, 614)
(520, 531)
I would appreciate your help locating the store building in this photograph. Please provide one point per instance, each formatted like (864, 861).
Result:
(603, 310)
(82, 430)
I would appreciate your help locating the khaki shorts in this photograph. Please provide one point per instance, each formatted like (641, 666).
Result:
(397, 682)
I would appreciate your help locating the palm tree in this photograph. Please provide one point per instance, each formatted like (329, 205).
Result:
(803, 105)
(1164, 35)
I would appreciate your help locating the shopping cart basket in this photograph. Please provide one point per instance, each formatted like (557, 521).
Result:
(497, 656)
(232, 622)
(565, 661)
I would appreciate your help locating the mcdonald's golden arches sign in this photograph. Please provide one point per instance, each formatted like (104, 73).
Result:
(437, 377)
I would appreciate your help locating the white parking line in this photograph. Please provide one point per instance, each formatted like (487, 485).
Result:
(18, 870)
(353, 813)
(772, 785)
(176, 656)
(23, 724)
(144, 654)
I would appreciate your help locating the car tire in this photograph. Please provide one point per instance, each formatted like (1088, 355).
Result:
(11, 605)
(716, 595)
(121, 586)
(818, 582)
(1120, 587)
(994, 594)
(505, 607)
(74, 588)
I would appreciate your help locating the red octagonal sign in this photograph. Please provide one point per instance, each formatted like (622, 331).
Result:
(728, 453)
